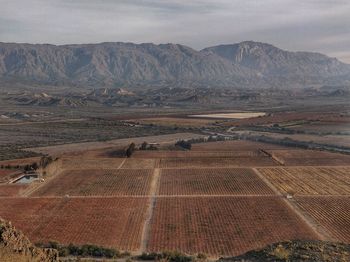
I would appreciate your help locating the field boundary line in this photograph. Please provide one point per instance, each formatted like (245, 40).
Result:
(152, 201)
(292, 204)
(121, 164)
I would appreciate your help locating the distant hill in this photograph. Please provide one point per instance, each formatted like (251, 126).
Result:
(247, 64)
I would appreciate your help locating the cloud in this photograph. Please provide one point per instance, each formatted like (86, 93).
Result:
(311, 25)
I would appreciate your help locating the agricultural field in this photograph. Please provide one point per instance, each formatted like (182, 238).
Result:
(194, 154)
(6, 174)
(237, 115)
(109, 222)
(20, 162)
(323, 127)
(309, 180)
(298, 157)
(207, 162)
(174, 121)
(220, 198)
(97, 182)
(223, 225)
(332, 213)
(78, 163)
(131, 163)
(233, 146)
(78, 148)
(291, 118)
(11, 190)
(223, 181)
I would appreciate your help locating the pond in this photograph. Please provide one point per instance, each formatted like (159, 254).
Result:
(26, 179)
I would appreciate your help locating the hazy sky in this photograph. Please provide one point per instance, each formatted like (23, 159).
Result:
(310, 25)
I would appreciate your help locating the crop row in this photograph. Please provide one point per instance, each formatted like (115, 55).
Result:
(108, 222)
(223, 181)
(98, 183)
(310, 180)
(223, 225)
(333, 213)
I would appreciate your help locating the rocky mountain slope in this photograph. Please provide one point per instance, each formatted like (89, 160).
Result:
(247, 64)
(14, 246)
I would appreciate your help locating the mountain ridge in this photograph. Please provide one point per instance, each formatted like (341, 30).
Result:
(115, 64)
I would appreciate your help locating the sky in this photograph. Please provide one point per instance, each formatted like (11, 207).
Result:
(295, 25)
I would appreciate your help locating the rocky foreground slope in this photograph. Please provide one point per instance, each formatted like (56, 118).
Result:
(15, 246)
(246, 64)
(301, 251)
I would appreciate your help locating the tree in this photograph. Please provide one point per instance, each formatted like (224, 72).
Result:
(130, 150)
(144, 146)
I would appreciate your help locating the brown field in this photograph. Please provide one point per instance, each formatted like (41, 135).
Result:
(175, 121)
(300, 153)
(139, 163)
(299, 157)
(309, 180)
(234, 145)
(223, 225)
(205, 162)
(233, 181)
(20, 162)
(94, 163)
(333, 140)
(5, 173)
(59, 150)
(332, 213)
(98, 183)
(323, 127)
(109, 222)
(193, 154)
(286, 117)
(11, 190)
(237, 115)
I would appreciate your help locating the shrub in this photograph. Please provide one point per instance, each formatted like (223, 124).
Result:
(184, 144)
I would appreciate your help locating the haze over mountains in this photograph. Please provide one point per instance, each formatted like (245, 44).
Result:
(247, 64)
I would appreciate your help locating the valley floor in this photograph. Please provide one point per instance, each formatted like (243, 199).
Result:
(220, 198)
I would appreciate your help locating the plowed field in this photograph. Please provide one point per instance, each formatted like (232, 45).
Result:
(109, 222)
(98, 183)
(309, 180)
(216, 162)
(332, 213)
(223, 225)
(225, 181)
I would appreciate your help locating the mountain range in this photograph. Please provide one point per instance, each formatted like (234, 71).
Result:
(246, 64)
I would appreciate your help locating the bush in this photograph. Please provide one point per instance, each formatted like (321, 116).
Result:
(184, 144)
(171, 256)
(84, 250)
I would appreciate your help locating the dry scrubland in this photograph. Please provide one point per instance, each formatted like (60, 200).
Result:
(220, 198)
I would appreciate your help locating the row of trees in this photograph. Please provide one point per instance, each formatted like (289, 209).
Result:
(44, 162)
